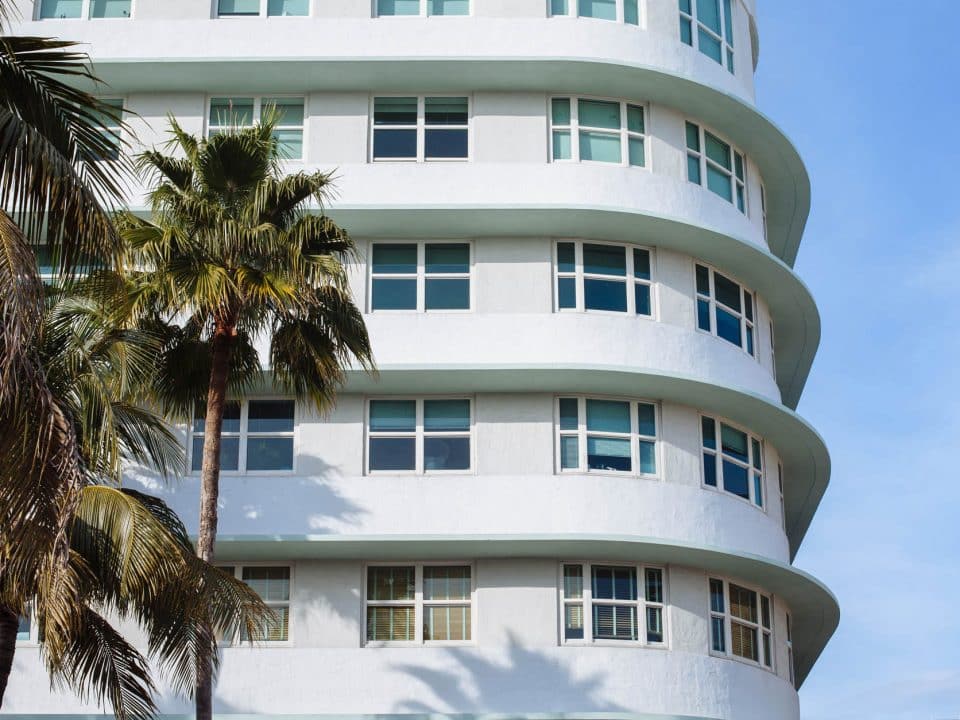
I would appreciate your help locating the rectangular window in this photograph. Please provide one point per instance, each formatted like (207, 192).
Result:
(419, 436)
(111, 119)
(420, 129)
(388, 8)
(241, 112)
(419, 603)
(604, 277)
(615, 603)
(422, 277)
(25, 627)
(626, 11)
(793, 679)
(75, 9)
(712, 161)
(726, 309)
(587, 130)
(708, 26)
(741, 623)
(611, 436)
(257, 436)
(783, 504)
(263, 8)
(732, 460)
(272, 584)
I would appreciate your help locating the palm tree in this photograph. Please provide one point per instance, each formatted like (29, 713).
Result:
(126, 553)
(233, 254)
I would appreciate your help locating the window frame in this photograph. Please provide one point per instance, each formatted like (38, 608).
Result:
(573, 12)
(419, 434)
(766, 654)
(421, 126)
(719, 456)
(238, 568)
(419, 604)
(624, 133)
(587, 602)
(582, 434)
(243, 434)
(421, 277)
(739, 185)
(257, 114)
(264, 13)
(727, 13)
(748, 328)
(33, 634)
(86, 8)
(630, 279)
(424, 11)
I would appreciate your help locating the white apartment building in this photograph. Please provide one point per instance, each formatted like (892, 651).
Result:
(578, 485)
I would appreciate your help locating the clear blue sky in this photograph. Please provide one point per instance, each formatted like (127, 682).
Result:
(869, 90)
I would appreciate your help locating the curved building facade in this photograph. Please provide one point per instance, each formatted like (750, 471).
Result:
(578, 485)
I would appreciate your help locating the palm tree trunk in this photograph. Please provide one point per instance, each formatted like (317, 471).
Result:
(222, 346)
(9, 624)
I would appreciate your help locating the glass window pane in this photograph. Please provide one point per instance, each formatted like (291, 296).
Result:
(703, 280)
(566, 257)
(442, 582)
(288, 7)
(686, 31)
(655, 625)
(289, 143)
(728, 21)
(270, 416)
(446, 622)
(635, 118)
(605, 260)
(599, 147)
(391, 624)
(641, 264)
(716, 596)
(728, 327)
(395, 110)
(708, 13)
(686, 7)
(614, 583)
(229, 454)
(394, 259)
(718, 151)
(738, 164)
(601, 9)
(394, 294)
(569, 452)
(269, 453)
(393, 415)
(765, 611)
(239, 7)
(567, 293)
(637, 152)
(392, 453)
(709, 428)
(693, 137)
(614, 622)
(719, 183)
(748, 305)
(288, 111)
(743, 603)
(709, 469)
(608, 454)
(646, 419)
(743, 641)
(648, 458)
(560, 111)
(654, 585)
(558, 7)
(394, 144)
(573, 622)
(703, 315)
(573, 581)
(447, 258)
(391, 583)
(607, 295)
(642, 300)
(757, 454)
(758, 490)
(717, 634)
(446, 415)
(446, 110)
(734, 442)
(447, 294)
(599, 114)
(568, 413)
(446, 144)
(562, 147)
(231, 112)
(23, 628)
(693, 170)
(736, 480)
(231, 418)
(728, 292)
(58, 9)
(109, 8)
(709, 46)
(270, 583)
(398, 7)
(631, 14)
(448, 7)
(446, 453)
(608, 416)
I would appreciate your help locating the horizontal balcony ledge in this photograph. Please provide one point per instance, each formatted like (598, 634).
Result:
(814, 609)
(383, 716)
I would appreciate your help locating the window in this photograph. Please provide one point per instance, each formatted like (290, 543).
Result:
(240, 112)
(110, 119)
(613, 604)
(25, 628)
(725, 169)
(74, 9)
(263, 8)
(743, 627)
(419, 436)
(420, 276)
(733, 462)
(610, 278)
(627, 11)
(713, 22)
(725, 308)
(790, 670)
(421, 128)
(584, 130)
(596, 435)
(783, 504)
(272, 584)
(763, 209)
(419, 604)
(257, 436)
(386, 8)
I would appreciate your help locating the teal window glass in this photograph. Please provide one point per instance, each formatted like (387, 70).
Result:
(604, 260)
(562, 147)
(718, 633)
(569, 417)
(600, 9)
(646, 419)
(237, 8)
(288, 8)
(394, 294)
(648, 458)
(447, 258)
(448, 7)
(610, 416)
(567, 293)
(560, 111)
(289, 116)
(735, 479)
(600, 147)
(703, 280)
(703, 315)
(727, 291)
(728, 22)
(229, 440)
(708, 13)
(734, 443)
(110, 119)
(396, 454)
(444, 447)
(635, 121)
(610, 454)
(641, 264)
(23, 628)
(269, 454)
(613, 621)
(709, 469)
(443, 141)
(559, 7)
(693, 170)
(600, 293)
(60, 9)
(446, 415)
(686, 31)
(394, 277)
(230, 112)
(447, 294)
(631, 12)
(395, 128)
(614, 583)
(109, 8)
(393, 415)
(758, 490)
(757, 455)
(637, 152)
(451, 290)
(719, 182)
(654, 594)
(566, 276)
(270, 416)
(599, 114)
(709, 430)
(718, 151)
(642, 301)
(561, 122)
(569, 452)
(566, 257)
(394, 259)
(709, 45)
(398, 7)
(392, 442)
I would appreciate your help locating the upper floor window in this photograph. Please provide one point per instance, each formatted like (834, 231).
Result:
(240, 112)
(263, 8)
(724, 168)
(725, 308)
(421, 276)
(595, 435)
(257, 436)
(272, 584)
(708, 24)
(111, 120)
(620, 603)
(419, 603)
(790, 669)
(71, 9)
(420, 436)
(732, 460)
(611, 278)
(387, 8)
(741, 623)
(421, 128)
(584, 130)
(627, 11)
(26, 627)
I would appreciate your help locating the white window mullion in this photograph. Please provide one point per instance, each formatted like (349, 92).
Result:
(421, 277)
(419, 449)
(421, 122)
(418, 602)
(588, 603)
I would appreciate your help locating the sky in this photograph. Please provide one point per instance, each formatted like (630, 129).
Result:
(869, 91)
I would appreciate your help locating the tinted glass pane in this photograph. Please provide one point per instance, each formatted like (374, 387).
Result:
(446, 144)
(736, 480)
(229, 454)
(631, 14)
(558, 7)
(708, 13)
(716, 596)
(642, 300)
(446, 622)
(562, 148)
(567, 293)
(23, 628)
(615, 622)
(394, 144)
(641, 264)
(446, 453)
(394, 294)
(757, 490)
(269, 453)
(289, 143)
(448, 7)
(693, 137)
(608, 416)
(743, 603)
(393, 415)
(227, 112)
(605, 260)
(447, 258)
(728, 21)
(734, 442)
(757, 454)
(709, 45)
(398, 7)
(288, 7)
(60, 9)
(599, 147)
(239, 7)
(569, 452)
(602, 9)
(703, 280)
(748, 305)
(738, 165)
(765, 611)
(709, 469)
(655, 625)
(566, 257)
(709, 429)
(573, 581)
(392, 454)
(385, 624)
(395, 110)
(109, 8)
(718, 634)
(270, 416)
(693, 170)
(646, 419)
(743, 641)
(448, 294)
(573, 622)
(654, 586)
(648, 458)
(608, 295)
(637, 152)
(288, 111)
(686, 31)
(560, 111)
(728, 327)
(446, 415)
(394, 259)
(391, 583)
(444, 582)
(231, 418)
(635, 118)
(608, 454)
(719, 183)
(568, 413)
(270, 583)
(686, 7)
(718, 151)
(614, 583)
(728, 292)
(445, 111)
(703, 315)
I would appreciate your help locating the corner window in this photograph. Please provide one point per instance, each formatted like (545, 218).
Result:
(741, 623)
(111, 132)
(712, 161)
(387, 8)
(419, 436)
(257, 436)
(708, 26)
(75, 9)
(603, 277)
(725, 309)
(242, 112)
(423, 277)
(612, 436)
(618, 603)
(627, 11)
(419, 129)
(608, 131)
(263, 8)
(732, 460)
(417, 604)
(790, 669)
(272, 584)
